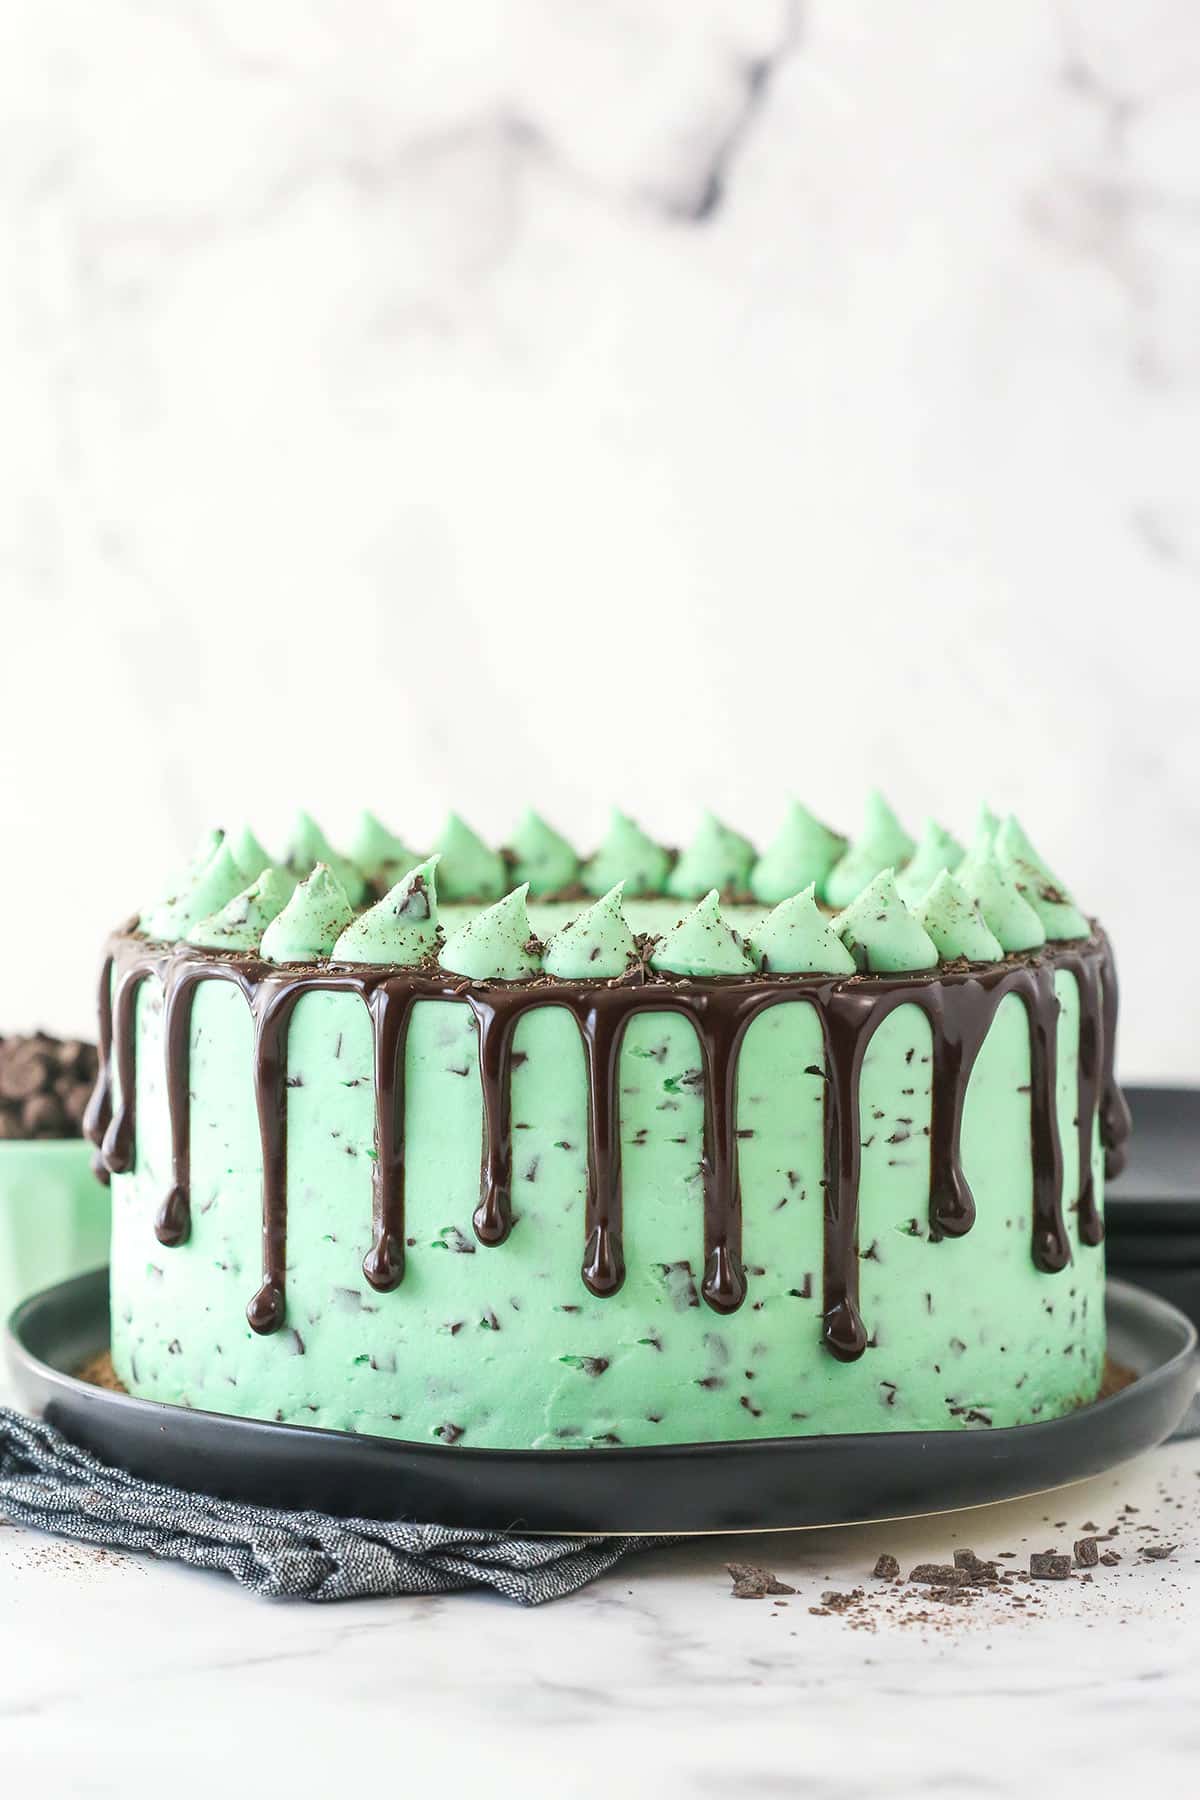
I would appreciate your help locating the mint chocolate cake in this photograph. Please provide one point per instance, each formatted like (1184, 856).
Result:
(506, 1148)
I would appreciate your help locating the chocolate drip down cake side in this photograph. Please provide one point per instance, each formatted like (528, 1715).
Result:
(502, 1148)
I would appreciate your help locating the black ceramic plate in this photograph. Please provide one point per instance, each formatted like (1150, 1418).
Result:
(767, 1485)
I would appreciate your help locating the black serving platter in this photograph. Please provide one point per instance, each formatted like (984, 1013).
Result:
(770, 1484)
(1152, 1211)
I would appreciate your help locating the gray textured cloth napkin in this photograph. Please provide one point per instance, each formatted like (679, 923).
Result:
(48, 1483)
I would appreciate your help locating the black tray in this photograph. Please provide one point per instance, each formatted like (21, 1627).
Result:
(1152, 1211)
(770, 1484)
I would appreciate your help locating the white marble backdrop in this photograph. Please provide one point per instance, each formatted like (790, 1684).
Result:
(550, 400)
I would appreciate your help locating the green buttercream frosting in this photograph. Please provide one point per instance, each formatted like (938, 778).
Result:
(986, 827)
(716, 858)
(497, 944)
(544, 860)
(881, 934)
(309, 846)
(380, 856)
(936, 851)
(1005, 910)
(239, 925)
(955, 923)
(598, 944)
(797, 939)
(702, 944)
(249, 854)
(627, 855)
(400, 929)
(468, 869)
(205, 845)
(802, 853)
(203, 892)
(1039, 885)
(311, 922)
(883, 844)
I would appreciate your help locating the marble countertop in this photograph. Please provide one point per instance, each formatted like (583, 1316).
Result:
(118, 1670)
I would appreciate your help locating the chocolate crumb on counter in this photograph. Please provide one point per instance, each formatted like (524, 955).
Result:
(1048, 1565)
(886, 1568)
(1087, 1553)
(45, 1085)
(1158, 1552)
(750, 1582)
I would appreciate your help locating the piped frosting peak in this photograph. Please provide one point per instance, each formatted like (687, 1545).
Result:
(1038, 884)
(716, 858)
(308, 846)
(241, 922)
(702, 944)
(954, 922)
(401, 929)
(543, 858)
(597, 945)
(205, 889)
(381, 856)
(881, 934)
(249, 854)
(495, 945)
(797, 939)
(629, 856)
(468, 870)
(882, 844)
(311, 922)
(803, 853)
(1005, 909)
(936, 851)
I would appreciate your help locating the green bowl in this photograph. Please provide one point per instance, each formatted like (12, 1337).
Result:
(54, 1216)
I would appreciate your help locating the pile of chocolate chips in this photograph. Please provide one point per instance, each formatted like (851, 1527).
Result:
(45, 1083)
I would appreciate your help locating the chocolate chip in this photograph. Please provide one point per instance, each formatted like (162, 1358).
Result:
(1087, 1553)
(42, 1116)
(23, 1071)
(45, 1086)
(886, 1568)
(1158, 1552)
(1110, 1558)
(1047, 1565)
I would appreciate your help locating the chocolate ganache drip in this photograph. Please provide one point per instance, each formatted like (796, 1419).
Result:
(960, 1003)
